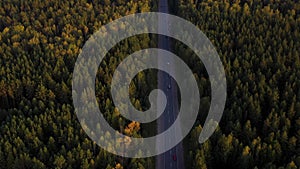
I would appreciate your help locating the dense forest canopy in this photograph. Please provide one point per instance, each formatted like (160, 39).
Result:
(258, 43)
(40, 41)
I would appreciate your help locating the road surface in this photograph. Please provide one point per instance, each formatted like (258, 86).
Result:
(172, 159)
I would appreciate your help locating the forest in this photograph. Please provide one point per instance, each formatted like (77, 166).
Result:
(258, 42)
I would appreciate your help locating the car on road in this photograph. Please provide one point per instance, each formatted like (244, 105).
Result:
(169, 86)
(174, 157)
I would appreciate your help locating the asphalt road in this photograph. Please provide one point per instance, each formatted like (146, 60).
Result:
(165, 82)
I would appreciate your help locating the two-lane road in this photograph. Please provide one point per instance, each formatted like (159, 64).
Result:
(172, 159)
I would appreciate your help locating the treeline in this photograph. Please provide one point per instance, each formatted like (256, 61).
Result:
(40, 42)
(258, 42)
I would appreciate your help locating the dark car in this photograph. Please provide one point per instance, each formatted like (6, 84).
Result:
(174, 157)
